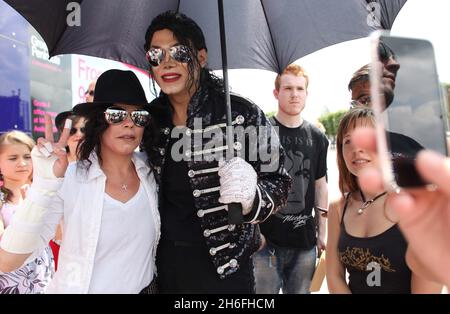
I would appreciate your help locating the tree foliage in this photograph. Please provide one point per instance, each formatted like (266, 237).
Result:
(331, 122)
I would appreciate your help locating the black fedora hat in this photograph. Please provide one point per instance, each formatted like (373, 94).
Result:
(114, 86)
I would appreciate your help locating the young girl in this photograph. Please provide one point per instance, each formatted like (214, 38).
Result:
(107, 199)
(363, 236)
(15, 174)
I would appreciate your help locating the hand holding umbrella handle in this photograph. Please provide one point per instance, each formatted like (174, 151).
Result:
(238, 184)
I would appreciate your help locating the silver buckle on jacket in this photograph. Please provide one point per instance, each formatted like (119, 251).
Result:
(213, 251)
(202, 212)
(238, 120)
(193, 173)
(208, 232)
(232, 263)
(197, 192)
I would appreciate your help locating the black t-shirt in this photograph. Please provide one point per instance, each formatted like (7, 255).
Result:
(179, 221)
(306, 161)
(183, 262)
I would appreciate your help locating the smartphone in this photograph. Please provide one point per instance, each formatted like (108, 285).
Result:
(408, 106)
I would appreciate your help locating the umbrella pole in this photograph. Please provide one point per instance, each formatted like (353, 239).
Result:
(234, 209)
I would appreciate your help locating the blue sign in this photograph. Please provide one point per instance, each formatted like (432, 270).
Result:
(14, 72)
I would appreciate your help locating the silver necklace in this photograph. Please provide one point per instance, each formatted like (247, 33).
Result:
(124, 186)
(365, 203)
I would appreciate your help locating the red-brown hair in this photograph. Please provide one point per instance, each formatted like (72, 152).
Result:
(293, 69)
(355, 117)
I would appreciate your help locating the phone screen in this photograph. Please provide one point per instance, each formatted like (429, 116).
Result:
(409, 105)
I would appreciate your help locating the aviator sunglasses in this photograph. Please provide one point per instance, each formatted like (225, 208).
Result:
(385, 52)
(114, 115)
(74, 130)
(180, 53)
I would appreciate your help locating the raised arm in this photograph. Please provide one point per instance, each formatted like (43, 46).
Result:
(35, 220)
(321, 201)
(335, 271)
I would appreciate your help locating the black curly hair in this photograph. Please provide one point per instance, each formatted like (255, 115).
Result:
(188, 33)
(94, 128)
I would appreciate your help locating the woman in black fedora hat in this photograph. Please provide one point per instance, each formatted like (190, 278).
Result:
(200, 250)
(108, 199)
(76, 132)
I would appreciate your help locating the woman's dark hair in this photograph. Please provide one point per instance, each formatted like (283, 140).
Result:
(75, 120)
(94, 128)
(188, 33)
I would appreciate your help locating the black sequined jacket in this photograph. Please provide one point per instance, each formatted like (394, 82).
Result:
(229, 245)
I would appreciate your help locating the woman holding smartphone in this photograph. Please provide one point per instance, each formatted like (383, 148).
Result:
(363, 235)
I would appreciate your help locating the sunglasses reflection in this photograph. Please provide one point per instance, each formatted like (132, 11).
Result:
(115, 115)
(179, 53)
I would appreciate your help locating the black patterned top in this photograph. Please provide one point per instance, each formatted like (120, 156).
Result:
(375, 264)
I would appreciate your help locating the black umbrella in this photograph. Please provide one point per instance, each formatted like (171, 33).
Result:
(263, 34)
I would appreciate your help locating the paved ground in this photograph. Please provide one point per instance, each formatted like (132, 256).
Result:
(333, 194)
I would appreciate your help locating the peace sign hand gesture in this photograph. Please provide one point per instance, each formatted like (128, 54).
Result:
(50, 158)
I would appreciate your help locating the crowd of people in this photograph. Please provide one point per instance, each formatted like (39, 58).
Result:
(133, 197)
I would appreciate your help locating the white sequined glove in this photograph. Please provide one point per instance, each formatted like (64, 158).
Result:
(238, 182)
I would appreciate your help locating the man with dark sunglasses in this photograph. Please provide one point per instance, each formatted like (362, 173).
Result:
(200, 250)
(359, 84)
(402, 147)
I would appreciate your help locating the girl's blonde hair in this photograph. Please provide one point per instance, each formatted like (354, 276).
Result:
(12, 137)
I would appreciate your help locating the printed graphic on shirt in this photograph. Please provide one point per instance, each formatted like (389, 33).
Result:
(299, 167)
(296, 221)
(360, 258)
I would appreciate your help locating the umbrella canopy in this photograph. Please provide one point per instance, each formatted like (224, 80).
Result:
(261, 34)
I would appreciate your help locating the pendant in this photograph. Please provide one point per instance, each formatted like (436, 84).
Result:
(360, 211)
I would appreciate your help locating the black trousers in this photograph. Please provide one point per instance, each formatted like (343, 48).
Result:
(187, 268)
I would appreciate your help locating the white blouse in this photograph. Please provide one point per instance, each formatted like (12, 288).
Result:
(123, 260)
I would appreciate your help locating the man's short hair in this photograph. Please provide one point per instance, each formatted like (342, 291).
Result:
(293, 69)
(362, 74)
